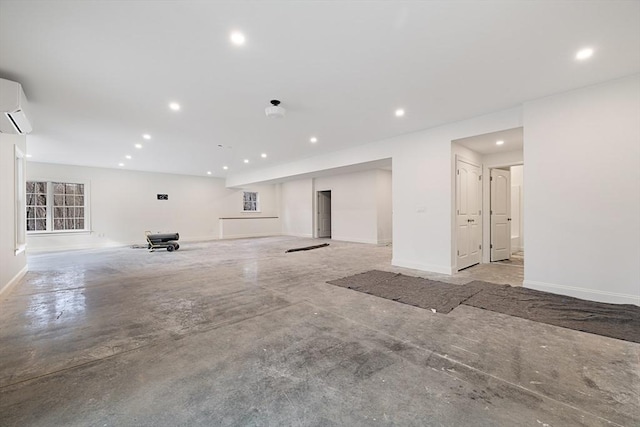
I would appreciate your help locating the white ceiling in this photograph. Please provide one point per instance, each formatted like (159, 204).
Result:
(99, 74)
(513, 140)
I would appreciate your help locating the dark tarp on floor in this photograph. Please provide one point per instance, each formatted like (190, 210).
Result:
(621, 321)
(416, 291)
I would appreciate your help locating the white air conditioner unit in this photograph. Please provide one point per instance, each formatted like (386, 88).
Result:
(13, 105)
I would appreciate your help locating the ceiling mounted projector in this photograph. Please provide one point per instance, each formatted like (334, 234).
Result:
(275, 110)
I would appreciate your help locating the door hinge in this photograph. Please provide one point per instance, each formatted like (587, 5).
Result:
(491, 179)
(458, 253)
(479, 246)
(480, 212)
(458, 211)
(490, 212)
(479, 177)
(491, 246)
(458, 171)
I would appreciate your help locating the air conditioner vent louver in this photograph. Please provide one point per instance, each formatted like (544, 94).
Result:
(13, 105)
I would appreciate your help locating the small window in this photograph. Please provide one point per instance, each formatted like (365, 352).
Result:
(36, 206)
(56, 206)
(250, 202)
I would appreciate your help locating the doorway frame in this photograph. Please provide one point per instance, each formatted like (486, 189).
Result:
(454, 246)
(316, 215)
(486, 206)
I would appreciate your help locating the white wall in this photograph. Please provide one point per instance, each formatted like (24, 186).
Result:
(385, 205)
(422, 184)
(517, 197)
(423, 188)
(296, 209)
(12, 266)
(582, 156)
(124, 205)
(361, 206)
(354, 207)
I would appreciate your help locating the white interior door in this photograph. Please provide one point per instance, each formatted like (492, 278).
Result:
(500, 214)
(468, 214)
(324, 213)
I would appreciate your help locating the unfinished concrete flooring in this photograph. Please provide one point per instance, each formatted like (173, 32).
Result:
(240, 333)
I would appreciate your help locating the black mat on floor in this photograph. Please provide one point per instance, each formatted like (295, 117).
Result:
(306, 248)
(621, 321)
(416, 291)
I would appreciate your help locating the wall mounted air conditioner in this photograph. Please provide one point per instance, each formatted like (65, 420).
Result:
(13, 105)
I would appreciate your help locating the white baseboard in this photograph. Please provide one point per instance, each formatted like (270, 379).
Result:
(423, 267)
(355, 240)
(6, 289)
(384, 241)
(246, 236)
(583, 293)
(306, 235)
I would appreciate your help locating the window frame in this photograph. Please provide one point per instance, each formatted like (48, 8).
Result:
(257, 202)
(20, 201)
(50, 206)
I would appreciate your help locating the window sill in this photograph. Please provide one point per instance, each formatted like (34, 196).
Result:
(251, 211)
(59, 232)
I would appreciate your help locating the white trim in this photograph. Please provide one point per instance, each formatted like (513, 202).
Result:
(466, 160)
(454, 218)
(19, 200)
(583, 293)
(52, 233)
(87, 205)
(113, 244)
(9, 286)
(384, 241)
(306, 235)
(486, 223)
(258, 207)
(245, 236)
(352, 240)
(422, 267)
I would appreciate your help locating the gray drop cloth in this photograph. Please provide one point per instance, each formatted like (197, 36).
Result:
(621, 321)
(416, 291)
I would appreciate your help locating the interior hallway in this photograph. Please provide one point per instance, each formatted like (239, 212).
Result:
(240, 333)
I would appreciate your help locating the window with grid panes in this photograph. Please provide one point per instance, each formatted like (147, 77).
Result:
(36, 206)
(68, 206)
(250, 202)
(55, 206)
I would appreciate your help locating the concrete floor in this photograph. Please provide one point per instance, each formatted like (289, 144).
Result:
(239, 333)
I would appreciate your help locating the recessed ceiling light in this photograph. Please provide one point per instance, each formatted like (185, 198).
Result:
(585, 53)
(138, 146)
(246, 160)
(128, 157)
(121, 164)
(399, 112)
(208, 172)
(313, 139)
(237, 38)
(29, 156)
(146, 136)
(499, 142)
(225, 167)
(263, 155)
(174, 106)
